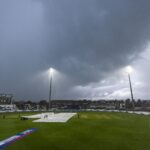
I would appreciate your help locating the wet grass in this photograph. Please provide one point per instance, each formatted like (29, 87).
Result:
(92, 131)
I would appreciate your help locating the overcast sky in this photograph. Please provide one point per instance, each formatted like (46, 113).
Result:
(88, 43)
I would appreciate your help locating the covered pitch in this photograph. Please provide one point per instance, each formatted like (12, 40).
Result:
(51, 117)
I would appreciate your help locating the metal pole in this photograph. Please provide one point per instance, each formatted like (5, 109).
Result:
(132, 99)
(50, 91)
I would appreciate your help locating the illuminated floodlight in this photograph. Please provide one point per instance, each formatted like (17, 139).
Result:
(51, 70)
(129, 69)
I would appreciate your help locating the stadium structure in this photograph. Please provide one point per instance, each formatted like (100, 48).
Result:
(6, 102)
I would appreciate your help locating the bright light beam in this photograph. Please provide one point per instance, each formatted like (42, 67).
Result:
(129, 69)
(51, 70)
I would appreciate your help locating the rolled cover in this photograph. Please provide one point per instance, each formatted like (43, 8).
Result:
(16, 137)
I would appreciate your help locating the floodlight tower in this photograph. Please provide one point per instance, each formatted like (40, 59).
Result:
(129, 71)
(50, 86)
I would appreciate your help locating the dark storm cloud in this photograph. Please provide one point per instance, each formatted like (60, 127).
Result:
(88, 39)
(84, 39)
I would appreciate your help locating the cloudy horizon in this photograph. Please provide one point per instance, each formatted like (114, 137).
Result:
(88, 43)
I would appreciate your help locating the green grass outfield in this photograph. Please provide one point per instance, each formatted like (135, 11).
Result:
(92, 131)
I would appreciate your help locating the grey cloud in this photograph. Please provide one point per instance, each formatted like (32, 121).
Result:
(92, 38)
(85, 40)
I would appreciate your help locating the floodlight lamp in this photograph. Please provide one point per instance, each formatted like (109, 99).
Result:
(51, 71)
(129, 69)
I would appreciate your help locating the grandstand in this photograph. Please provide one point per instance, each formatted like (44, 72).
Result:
(6, 102)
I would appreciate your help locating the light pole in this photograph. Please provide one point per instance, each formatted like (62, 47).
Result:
(129, 70)
(50, 87)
